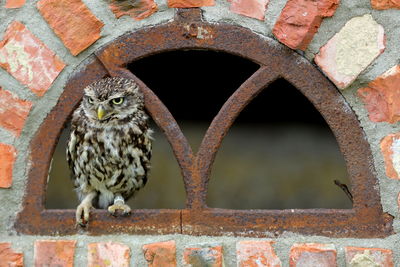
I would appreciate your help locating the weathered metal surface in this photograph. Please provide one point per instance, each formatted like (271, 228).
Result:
(272, 223)
(187, 31)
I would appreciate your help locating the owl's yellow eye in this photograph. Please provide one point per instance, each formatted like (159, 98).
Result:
(118, 101)
(90, 100)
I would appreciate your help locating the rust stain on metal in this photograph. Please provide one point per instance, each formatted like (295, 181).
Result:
(188, 31)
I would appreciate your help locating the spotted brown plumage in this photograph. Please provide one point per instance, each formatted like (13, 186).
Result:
(109, 148)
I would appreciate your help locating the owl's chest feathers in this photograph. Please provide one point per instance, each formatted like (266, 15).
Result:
(112, 144)
(113, 157)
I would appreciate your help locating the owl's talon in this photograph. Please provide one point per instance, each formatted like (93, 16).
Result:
(119, 209)
(82, 223)
(82, 213)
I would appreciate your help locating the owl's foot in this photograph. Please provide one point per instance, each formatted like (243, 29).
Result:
(82, 213)
(83, 210)
(119, 208)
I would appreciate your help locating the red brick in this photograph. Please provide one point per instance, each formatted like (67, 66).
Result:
(250, 8)
(256, 253)
(369, 256)
(77, 32)
(7, 158)
(390, 147)
(382, 97)
(10, 258)
(26, 58)
(160, 254)
(351, 50)
(141, 10)
(105, 254)
(385, 4)
(189, 3)
(14, 3)
(203, 256)
(13, 112)
(311, 254)
(300, 20)
(58, 253)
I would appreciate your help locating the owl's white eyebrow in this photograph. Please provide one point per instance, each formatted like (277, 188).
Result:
(117, 96)
(89, 94)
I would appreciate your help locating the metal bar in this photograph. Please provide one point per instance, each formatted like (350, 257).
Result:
(224, 120)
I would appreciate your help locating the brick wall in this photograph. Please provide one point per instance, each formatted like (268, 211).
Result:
(355, 43)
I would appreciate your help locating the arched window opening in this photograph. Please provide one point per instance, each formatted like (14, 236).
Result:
(164, 188)
(279, 154)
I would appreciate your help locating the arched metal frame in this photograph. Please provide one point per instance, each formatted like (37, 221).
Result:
(188, 31)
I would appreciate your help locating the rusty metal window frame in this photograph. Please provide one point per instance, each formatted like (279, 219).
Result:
(188, 31)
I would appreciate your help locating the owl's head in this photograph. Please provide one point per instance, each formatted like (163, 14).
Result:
(112, 99)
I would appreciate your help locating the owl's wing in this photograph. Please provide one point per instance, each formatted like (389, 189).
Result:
(72, 149)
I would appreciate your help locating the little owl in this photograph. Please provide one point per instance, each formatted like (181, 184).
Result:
(109, 148)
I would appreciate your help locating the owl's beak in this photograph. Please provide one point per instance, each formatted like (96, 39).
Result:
(100, 112)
